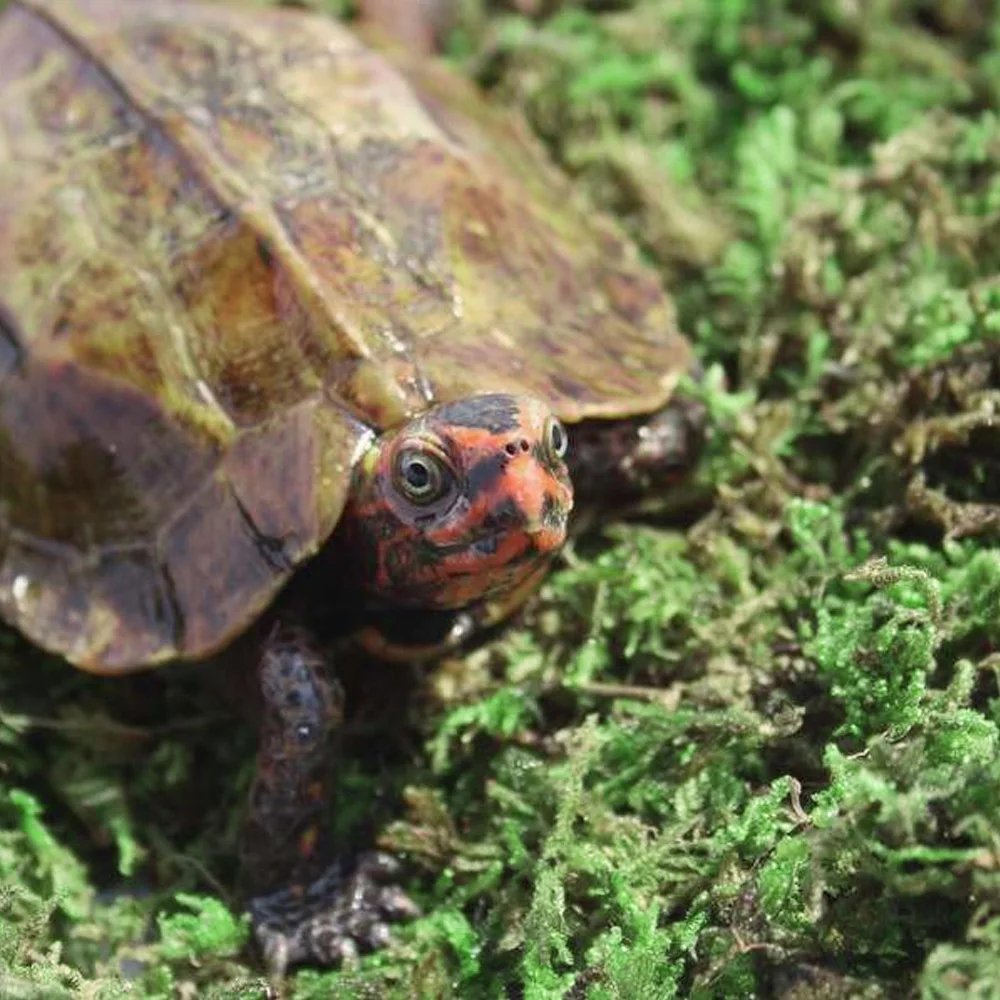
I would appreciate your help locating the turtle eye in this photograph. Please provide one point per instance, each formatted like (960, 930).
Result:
(421, 477)
(556, 438)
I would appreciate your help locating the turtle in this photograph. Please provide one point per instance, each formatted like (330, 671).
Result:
(298, 329)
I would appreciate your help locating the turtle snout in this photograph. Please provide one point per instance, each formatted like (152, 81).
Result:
(547, 524)
(555, 515)
(543, 498)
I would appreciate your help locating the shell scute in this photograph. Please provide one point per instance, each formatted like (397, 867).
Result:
(103, 466)
(56, 99)
(217, 589)
(282, 472)
(142, 194)
(132, 612)
(42, 586)
(243, 336)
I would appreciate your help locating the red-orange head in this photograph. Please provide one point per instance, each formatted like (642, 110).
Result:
(462, 503)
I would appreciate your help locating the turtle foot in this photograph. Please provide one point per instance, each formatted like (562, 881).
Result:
(345, 912)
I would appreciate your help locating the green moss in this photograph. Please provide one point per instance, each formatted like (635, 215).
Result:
(746, 749)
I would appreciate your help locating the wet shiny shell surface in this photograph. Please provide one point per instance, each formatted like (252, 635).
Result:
(234, 244)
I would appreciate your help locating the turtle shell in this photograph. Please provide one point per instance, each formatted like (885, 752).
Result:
(234, 244)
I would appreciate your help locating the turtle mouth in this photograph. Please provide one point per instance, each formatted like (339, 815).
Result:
(538, 540)
(541, 538)
(486, 544)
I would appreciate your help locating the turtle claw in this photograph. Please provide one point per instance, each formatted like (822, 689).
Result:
(345, 912)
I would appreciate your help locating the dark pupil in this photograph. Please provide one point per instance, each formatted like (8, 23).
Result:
(417, 475)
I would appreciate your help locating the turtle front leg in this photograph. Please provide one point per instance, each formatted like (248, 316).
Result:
(307, 905)
(615, 463)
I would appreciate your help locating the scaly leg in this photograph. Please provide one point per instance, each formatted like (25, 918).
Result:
(613, 463)
(307, 905)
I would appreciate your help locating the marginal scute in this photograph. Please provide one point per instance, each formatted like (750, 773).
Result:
(86, 461)
(106, 610)
(221, 574)
(40, 590)
(132, 611)
(279, 474)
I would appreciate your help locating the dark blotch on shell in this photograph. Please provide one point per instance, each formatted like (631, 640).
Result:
(265, 252)
(11, 351)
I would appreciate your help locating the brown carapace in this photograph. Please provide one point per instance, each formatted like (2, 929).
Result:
(235, 243)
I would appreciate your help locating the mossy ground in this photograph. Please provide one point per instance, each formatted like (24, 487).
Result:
(768, 766)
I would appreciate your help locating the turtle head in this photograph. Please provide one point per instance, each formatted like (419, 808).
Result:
(462, 503)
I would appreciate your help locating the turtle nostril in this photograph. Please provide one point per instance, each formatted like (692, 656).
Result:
(510, 448)
(524, 445)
